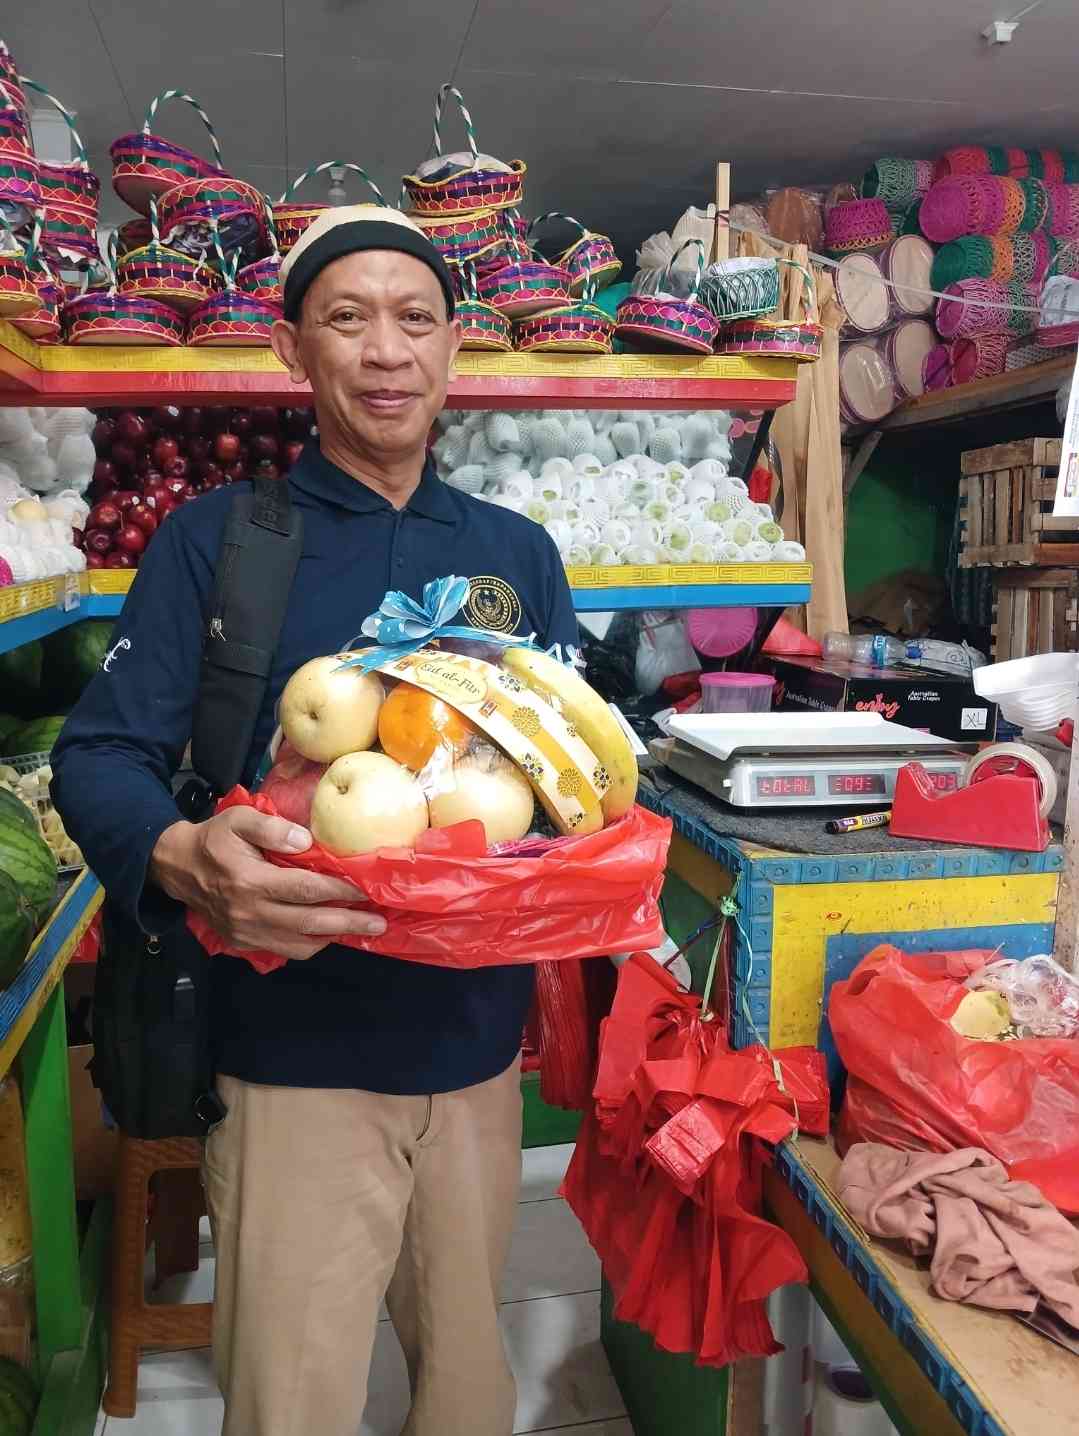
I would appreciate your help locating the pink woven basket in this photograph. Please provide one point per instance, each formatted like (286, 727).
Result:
(70, 194)
(20, 183)
(981, 357)
(15, 133)
(937, 369)
(660, 321)
(591, 259)
(524, 287)
(143, 164)
(772, 338)
(983, 306)
(120, 319)
(292, 217)
(986, 204)
(43, 323)
(165, 275)
(470, 190)
(858, 224)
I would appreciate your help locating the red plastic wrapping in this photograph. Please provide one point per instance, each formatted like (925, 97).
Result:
(914, 1083)
(572, 998)
(666, 1175)
(448, 904)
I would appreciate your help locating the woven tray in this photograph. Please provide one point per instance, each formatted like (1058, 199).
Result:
(118, 319)
(527, 287)
(143, 164)
(232, 321)
(569, 329)
(772, 337)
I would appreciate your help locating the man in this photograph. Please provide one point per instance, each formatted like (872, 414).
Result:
(371, 1145)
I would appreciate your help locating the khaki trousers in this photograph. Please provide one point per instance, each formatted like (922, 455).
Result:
(323, 1203)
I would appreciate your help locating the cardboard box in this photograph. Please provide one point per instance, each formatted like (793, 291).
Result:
(94, 1143)
(932, 702)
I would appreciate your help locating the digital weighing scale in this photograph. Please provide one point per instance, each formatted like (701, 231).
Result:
(799, 760)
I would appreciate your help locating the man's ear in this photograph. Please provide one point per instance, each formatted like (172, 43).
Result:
(458, 334)
(285, 343)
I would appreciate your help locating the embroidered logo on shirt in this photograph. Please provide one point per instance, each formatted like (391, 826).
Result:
(106, 662)
(492, 604)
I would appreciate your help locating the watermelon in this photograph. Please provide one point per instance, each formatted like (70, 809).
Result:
(8, 723)
(17, 929)
(13, 809)
(28, 862)
(20, 674)
(37, 736)
(73, 656)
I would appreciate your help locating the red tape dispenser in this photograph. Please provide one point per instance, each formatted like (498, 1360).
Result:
(1005, 797)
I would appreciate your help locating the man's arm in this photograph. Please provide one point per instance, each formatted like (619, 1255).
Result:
(561, 625)
(113, 769)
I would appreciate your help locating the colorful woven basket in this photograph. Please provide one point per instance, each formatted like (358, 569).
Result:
(483, 327)
(660, 321)
(591, 260)
(172, 278)
(772, 337)
(576, 328)
(469, 237)
(43, 323)
(70, 193)
(974, 307)
(899, 183)
(18, 292)
(1027, 257)
(1051, 165)
(20, 183)
(741, 288)
(232, 320)
(293, 218)
(133, 235)
(861, 224)
(187, 213)
(15, 138)
(13, 96)
(464, 191)
(981, 357)
(120, 319)
(990, 205)
(143, 164)
(262, 280)
(524, 287)
(1063, 217)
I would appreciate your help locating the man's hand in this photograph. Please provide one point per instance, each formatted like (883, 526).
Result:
(217, 869)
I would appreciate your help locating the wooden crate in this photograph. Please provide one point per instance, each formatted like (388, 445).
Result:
(1035, 610)
(1006, 507)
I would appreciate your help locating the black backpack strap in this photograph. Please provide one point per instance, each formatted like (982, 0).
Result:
(259, 554)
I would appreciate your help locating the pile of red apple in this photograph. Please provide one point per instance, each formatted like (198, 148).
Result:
(150, 461)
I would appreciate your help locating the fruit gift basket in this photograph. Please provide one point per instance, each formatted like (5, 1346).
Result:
(662, 321)
(292, 217)
(421, 766)
(462, 183)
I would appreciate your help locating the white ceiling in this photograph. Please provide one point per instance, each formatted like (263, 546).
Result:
(619, 107)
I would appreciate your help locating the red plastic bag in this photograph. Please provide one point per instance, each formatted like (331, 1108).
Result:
(448, 904)
(915, 1083)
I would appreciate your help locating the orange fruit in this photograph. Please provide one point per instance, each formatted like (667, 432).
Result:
(413, 724)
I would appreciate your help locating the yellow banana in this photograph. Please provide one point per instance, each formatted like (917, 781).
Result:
(582, 707)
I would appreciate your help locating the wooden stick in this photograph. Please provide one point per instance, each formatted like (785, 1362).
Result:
(722, 244)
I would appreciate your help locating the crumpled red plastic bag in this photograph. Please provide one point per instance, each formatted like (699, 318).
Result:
(914, 1083)
(448, 904)
(666, 1174)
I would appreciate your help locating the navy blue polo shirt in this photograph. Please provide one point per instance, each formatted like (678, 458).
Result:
(344, 1018)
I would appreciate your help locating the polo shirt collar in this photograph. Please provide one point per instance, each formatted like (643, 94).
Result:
(315, 475)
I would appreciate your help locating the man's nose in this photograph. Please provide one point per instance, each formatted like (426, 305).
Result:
(385, 345)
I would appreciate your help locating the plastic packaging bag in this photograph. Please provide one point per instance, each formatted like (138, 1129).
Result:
(663, 650)
(914, 1083)
(448, 903)
(1044, 999)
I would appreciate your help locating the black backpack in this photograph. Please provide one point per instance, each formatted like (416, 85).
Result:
(152, 1059)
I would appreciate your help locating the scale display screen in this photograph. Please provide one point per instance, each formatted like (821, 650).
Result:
(944, 782)
(786, 785)
(856, 785)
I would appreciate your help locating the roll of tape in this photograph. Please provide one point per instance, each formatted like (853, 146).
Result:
(1018, 754)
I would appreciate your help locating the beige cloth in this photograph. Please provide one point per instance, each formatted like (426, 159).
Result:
(994, 1242)
(324, 1202)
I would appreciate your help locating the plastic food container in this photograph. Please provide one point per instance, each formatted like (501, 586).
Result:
(721, 632)
(736, 692)
(1035, 692)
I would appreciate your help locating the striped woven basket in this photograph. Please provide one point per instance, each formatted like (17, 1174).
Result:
(232, 320)
(980, 357)
(470, 237)
(20, 183)
(898, 182)
(1050, 165)
(187, 212)
(166, 275)
(772, 338)
(262, 280)
(18, 294)
(578, 328)
(133, 235)
(471, 189)
(660, 321)
(591, 260)
(292, 218)
(974, 307)
(524, 287)
(15, 133)
(119, 319)
(70, 194)
(483, 327)
(43, 323)
(143, 164)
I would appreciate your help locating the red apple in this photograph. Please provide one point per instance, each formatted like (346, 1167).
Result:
(227, 448)
(105, 515)
(264, 446)
(144, 518)
(151, 476)
(95, 560)
(131, 539)
(209, 470)
(125, 499)
(164, 451)
(119, 559)
(77, 538)
(241, 422)
(298, 422)
(193, 421)
(132, 427)
(236, 473)
(265, 419)
(214, 480)
(163, 507)
(124, 454)
(293, 449)
(198, 449)
(291, 784)
(177, 468)
(168, 418)
(104, 433)
(98, 541)
(105, 475)
(176, 487)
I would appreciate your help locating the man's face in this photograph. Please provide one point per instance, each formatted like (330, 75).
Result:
(374, 341)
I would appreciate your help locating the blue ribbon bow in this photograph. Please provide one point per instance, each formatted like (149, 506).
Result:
(402, 626)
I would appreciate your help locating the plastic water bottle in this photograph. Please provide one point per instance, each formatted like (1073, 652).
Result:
(879, 650)
(876, 649)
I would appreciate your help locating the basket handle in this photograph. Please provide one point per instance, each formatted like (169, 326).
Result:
(469, 280)
(808, 296)
(686, 244)
(588, 294)
(82, 160)
(190, 100)
(333, 165)
(229, 263)
(16, 248)
(109, 259)
(271, 226)
(465, 116)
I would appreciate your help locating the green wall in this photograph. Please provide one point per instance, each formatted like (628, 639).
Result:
(900, 517)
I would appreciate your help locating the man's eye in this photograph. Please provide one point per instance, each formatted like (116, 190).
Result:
(346, 316)
(418, 316)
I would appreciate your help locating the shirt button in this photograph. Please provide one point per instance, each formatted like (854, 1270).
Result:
(399, 562)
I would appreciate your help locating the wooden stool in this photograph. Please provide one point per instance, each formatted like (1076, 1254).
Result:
(173, 1167)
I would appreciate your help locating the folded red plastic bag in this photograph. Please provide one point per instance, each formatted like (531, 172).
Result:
(449, 904)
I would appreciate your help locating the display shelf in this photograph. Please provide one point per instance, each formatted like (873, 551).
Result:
(1015, 390)
(22, 1002)
(61, 374)
(34, 610)
(771, 585)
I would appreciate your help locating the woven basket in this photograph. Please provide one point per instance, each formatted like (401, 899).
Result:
(15, 138)
(187, 212)
(143, 164)
(1049, 165)
(135, 234)
(524, 287)
(772, 337)
(262, 280)
(43, 323)
(472, 190)
(20, 183)
(1005, 309)
(70, 194)
(741, 288)
(118, 319)
(861, 224)
(460, 239)
(166, 275)
(232, 320)
(981, 357)
(659, 321)
(899, 183)
(986, 204)
(937, 369)
(292, 218)
(18, 290)
(579, 328)
(591, 260)
(483, 327)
